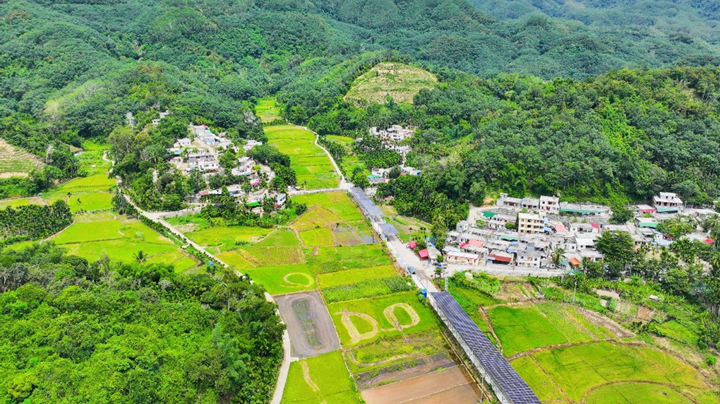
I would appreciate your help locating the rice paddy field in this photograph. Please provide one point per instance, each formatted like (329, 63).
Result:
(310, 163)
(268, 110)
(387, 334)
(121, 239)
(91, 193)
(568, 354)
(16, 162)
(97, 232)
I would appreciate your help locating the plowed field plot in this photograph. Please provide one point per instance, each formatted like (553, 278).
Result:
(449, 385)
(311, 329)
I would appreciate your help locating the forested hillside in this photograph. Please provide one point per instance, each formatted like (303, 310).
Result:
(618, 137)
(80, 66)
(73, 331)
(681, 19)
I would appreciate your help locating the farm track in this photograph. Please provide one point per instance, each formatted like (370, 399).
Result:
(542, 369)
(671, 385)
(572, 344)
(491, 328)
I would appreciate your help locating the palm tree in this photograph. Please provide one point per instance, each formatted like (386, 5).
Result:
(557, 254)
(140, 257)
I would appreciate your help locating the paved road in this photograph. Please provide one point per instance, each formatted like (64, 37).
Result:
(502, 270)
(314, 191)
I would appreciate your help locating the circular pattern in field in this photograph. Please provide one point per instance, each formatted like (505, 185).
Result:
(355, 334)
(298, 279)
(635, 393)
(392, 318)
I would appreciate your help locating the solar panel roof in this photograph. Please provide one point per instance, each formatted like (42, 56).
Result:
(505, 378)
(367, 205)
(388, 229)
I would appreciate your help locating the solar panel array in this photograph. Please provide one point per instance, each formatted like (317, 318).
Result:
(502, 376)
(368, 206)
(388, 229)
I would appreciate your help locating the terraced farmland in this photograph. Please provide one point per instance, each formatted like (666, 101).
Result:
(310, 163)
(16, 162)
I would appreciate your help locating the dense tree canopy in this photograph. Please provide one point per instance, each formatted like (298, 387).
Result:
(73, 331)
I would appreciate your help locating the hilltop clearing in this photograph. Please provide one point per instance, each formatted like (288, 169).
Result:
(397, 80)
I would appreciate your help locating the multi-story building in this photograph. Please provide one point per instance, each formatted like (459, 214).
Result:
(550, 204)
(531, 223)
(667, 201)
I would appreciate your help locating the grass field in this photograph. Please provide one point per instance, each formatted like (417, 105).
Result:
(351, 276)
(350, 160)
(268, 110)
(577, 370)
(322, 379)
(16, 162)
(284, 278)
(120, 239)
(310, 163)
(366, 320)
(341, 258)
(406, 226)
(322, 237)
(523, 328)
(339, 203)
(397, 80)
(223, 238)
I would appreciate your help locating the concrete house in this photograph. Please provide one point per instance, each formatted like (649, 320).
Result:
(550, 204)
(667, 202)
(531, 223)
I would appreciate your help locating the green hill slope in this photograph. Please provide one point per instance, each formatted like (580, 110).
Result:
(397, 80)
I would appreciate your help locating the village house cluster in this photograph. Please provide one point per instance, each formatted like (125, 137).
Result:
(201, 151)
(393, 139)
(524, 232)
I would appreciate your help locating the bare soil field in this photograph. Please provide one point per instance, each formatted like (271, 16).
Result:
(449, 385)
(311, 329)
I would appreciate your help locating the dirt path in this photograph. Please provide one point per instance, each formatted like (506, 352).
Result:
(490, 327)
(306, 375)
(671, 385)
(389, 313)
(288, 281)
(571, 344)
(355, 335)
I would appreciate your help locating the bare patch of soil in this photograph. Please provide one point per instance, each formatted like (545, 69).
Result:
(449, 385)
(311, 329)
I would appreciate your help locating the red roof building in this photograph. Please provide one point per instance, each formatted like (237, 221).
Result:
(475, 243)
(574, 262)
(424, 254)
(412, 245)
(500, 258)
